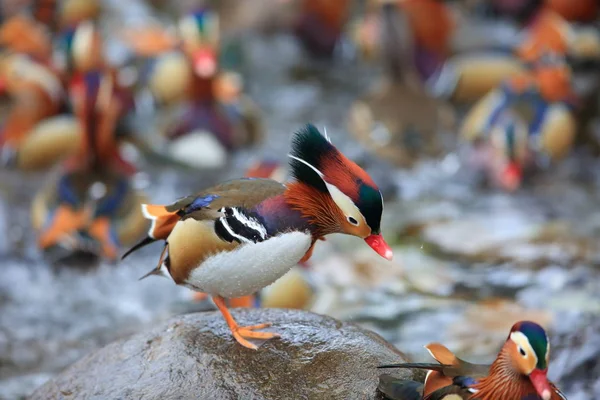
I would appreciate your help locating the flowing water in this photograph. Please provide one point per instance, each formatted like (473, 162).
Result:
(469, 262)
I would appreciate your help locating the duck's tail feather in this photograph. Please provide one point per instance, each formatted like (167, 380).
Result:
(163, 221)
(142, 243)
(428, 366)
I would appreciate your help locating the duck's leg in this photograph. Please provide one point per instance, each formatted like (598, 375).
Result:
(244, 302)
(241, 333)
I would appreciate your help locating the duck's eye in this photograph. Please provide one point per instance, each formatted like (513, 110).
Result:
(353, 221)
(522, 352)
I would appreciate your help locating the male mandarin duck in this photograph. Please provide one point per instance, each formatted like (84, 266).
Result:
(518, 373)
(83, 49)
(290, 291)
(419, 36)
(91, 208)
(215, 116)
(530, 115)
(32, 136)
(238, 237)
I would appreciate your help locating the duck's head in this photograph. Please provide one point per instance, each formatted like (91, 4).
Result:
(529, 350)
(334, 193)
(83, 47)
(200, 35)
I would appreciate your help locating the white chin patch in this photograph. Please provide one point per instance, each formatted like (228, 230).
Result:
(199, 149)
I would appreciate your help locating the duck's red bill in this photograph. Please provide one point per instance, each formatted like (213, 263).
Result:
(511, 176)
(205, 63)
(377, 243)
(540, 383)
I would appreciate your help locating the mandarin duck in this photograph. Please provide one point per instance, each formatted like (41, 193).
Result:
(518, 373)
(83, 49)
(290, 291)
(238, 237)
(417, 37)
(91, 208)
(530, 116)
(212, 116)
(33, 136)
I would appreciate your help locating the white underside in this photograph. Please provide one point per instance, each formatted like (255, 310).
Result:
(199, 149)
(250, 267)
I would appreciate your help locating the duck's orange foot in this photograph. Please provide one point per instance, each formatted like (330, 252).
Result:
(241, 333)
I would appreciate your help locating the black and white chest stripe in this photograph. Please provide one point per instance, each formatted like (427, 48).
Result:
(239, 225)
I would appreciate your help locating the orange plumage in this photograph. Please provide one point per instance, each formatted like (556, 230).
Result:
(431, 22)
(548, 34)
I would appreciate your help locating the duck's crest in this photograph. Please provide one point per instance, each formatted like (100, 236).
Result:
(309, 149)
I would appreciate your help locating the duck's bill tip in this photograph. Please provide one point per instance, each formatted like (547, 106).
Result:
(377, 243)
(540, 383)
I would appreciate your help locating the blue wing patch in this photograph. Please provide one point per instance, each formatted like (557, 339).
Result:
(464, 381)
(201, 202)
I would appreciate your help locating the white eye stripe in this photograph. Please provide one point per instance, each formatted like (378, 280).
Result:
(523, 343)
(344, 202)
(321, 175)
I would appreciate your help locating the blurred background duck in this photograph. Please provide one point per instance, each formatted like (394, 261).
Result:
(209, 116)
(398, 119)
(519, 372)
(90, 209)
(528, 121)
(33, 135)
(449, 60)
(293, 290)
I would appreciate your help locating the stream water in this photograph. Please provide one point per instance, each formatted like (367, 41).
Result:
(469, 262)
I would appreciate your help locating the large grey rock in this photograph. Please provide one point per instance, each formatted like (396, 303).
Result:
(195, 357)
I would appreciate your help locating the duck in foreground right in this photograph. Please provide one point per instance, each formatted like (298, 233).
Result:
(518, 373)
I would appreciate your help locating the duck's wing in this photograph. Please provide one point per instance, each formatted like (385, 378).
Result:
(232, 199)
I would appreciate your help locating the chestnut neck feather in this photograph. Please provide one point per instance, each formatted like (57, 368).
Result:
(316, 206)
(503, 381)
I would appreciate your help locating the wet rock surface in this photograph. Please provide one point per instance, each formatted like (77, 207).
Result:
(469, 261)
(195, 356)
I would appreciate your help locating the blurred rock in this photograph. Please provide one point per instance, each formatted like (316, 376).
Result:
(195, 356)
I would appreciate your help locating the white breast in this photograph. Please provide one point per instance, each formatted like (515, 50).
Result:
(250, 267)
